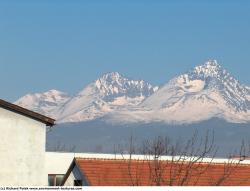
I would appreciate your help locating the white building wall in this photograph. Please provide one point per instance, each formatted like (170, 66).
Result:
(58, 163)
(22, 150)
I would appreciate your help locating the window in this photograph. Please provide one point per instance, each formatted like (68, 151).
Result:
(55, 179)
(77, 182)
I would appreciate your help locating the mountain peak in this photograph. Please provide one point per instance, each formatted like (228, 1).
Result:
(44, 103)
(216, 78)
(212, 63)
(54, 92)
(114, 76)
(114, 84)
(209, 88)
(109, 92)
(210, 69)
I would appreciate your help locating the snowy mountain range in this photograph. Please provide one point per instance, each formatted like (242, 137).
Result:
(109, 93)
(205, 92)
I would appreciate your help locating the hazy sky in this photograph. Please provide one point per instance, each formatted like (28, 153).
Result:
(57, 44)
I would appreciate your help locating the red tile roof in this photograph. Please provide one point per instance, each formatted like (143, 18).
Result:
(103, 172)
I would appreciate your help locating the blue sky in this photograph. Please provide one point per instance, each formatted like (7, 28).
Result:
(52, 44)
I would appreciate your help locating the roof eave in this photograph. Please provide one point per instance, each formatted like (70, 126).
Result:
(31, 114)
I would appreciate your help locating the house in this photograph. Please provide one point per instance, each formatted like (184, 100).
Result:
(134, 172)
(22, 148)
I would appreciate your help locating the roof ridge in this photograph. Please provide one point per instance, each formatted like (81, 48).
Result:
(143, 160)
(108, 159)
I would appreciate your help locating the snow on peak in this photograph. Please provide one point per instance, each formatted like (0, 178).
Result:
(44, 103)
(216, 78)
(212, 63)
(204, 92)
(49, 96)
(54, 92)
(210, 68)
(114, 76)
(113, 85)
(109, 92)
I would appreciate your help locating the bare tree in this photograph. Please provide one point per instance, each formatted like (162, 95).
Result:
(231, 166)
(185, 164)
